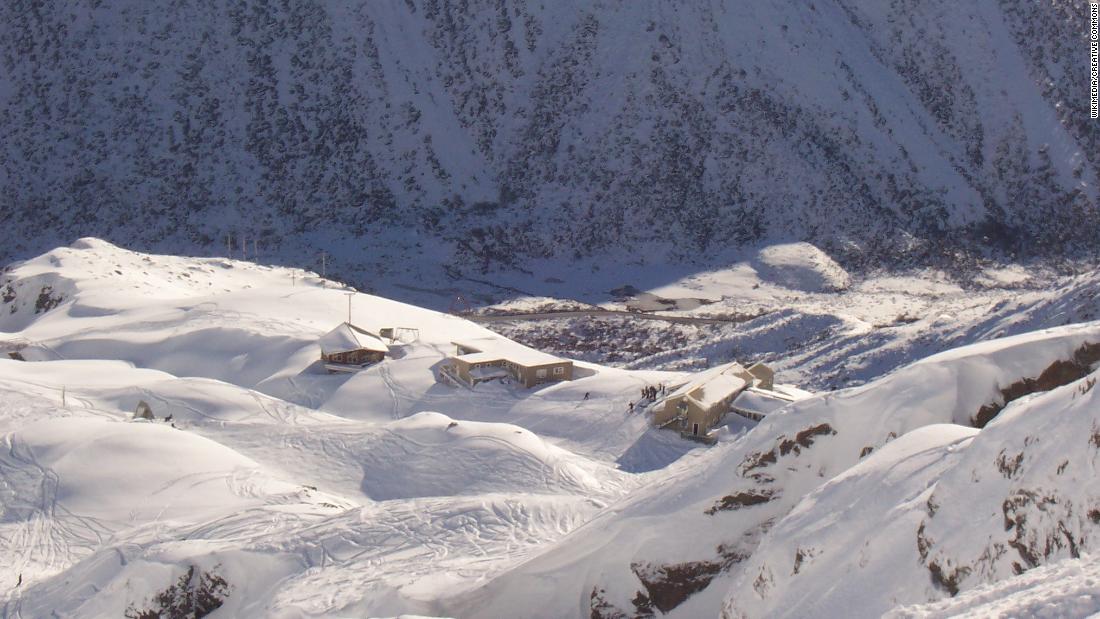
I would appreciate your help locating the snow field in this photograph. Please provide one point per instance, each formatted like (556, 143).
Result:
(1069, 588)
(680, 521)
(385, 492)
(405, 505)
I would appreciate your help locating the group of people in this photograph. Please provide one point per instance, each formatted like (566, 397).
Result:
(649, 392)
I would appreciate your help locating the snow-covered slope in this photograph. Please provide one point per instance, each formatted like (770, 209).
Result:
(801, 266)
(516, 129)
(681, 544)
(1064, 589)
(937, 512)
(260, 468)
(429, 454)
(290, 492)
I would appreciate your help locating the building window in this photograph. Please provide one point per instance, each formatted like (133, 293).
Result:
(540, 373)
(558, 371)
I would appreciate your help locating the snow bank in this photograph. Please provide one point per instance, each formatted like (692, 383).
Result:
(936, 513)
(129, 472)
(471, 513)
(79, 373)
(818, 560)
(1065, 590)
(129, 577)
(680, 544)
(430, 454)
(800, 266)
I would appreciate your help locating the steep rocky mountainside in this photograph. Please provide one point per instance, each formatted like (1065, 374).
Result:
(950, 511)
(512, 128)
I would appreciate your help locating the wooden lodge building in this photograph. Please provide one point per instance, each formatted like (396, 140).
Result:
(348, 348)
(489, 358)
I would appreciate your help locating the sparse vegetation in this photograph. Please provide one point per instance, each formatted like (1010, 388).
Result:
(1008, 466)
(608, 340)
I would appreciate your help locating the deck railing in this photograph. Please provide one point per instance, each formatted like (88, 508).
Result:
(448, 374)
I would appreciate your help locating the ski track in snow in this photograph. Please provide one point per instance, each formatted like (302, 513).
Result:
(378, 503)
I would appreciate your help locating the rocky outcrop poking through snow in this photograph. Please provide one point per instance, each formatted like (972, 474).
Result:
(937, 512)
(808, 492)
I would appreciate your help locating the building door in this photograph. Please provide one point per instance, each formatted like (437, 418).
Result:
(695, 429)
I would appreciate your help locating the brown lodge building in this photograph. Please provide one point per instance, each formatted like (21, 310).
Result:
(490, 358)
(348, 348)
(698, 406)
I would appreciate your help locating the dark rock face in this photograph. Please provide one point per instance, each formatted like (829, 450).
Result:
(664, 587)
(46, 300)
(917, 132)
(804, 439)
(1061, 372)
(739, 500)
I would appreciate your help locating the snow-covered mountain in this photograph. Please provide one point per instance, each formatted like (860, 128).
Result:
(940, 510)
(259, 467)
(515, 130)
(962, 482)
(827, 508)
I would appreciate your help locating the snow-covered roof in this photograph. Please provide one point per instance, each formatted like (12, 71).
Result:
(497, 348)
(480, 357)
(717, 388)
(347, 337)
(760, 401)
(791, 392)
(733, 368)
